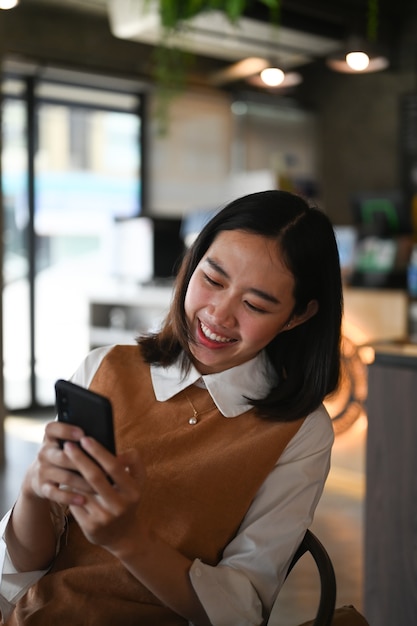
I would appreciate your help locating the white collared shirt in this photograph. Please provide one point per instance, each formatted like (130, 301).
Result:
(254, 564)
(228, 389)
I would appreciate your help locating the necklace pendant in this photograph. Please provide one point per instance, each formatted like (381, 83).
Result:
(192, 420)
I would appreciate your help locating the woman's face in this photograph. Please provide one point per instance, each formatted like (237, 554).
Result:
(239, 298)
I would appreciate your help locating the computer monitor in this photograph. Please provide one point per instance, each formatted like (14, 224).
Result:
(133, 249)
(147, 249)
(168, 247)
(383, 222)
(381, 213)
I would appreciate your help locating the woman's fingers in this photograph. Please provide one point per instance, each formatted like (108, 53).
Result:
(51, 459)
(114, 466)
(52, 468)
(109, 514)
(103, 471)
(59, 431)
(56, 433)
(46, 481)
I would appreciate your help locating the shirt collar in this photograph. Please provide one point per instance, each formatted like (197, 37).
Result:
(228, 389)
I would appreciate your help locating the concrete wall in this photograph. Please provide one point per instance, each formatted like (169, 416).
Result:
(359, 133)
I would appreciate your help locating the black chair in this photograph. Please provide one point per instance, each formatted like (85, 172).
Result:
(327, 602)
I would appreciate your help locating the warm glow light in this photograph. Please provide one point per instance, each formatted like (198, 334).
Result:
(358, 61)
(8, 4)
(367, 354)
(272, 76)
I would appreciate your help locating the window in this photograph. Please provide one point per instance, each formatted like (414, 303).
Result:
(71, 166)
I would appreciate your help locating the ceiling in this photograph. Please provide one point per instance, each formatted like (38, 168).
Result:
(309, 30)
(211, 34)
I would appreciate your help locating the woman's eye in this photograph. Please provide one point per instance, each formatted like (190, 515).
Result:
(211, 281)
(252, 307)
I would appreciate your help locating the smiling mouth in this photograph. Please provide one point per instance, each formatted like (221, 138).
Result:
(213, 337)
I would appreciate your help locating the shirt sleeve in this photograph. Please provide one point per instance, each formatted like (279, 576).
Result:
(254, 564)
(14, 584)
(87, 369)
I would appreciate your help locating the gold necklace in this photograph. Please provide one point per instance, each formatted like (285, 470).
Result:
(196, 414)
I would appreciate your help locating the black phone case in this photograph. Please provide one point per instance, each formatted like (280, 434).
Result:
(89, 410)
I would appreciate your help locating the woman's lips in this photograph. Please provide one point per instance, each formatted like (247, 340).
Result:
(208, 337)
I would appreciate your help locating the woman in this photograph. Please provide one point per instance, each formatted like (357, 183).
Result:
(223, 442)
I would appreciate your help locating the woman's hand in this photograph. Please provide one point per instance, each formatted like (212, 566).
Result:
(32, 533)
(110, 516)
(104, 498)
(102, 494)
(108, 513)
(53, 469)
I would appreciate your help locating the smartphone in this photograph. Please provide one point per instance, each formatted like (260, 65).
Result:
(89, 410)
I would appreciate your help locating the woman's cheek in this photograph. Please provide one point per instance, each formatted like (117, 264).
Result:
(194, 298)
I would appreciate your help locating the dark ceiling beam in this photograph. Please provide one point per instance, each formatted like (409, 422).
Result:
(339, 18)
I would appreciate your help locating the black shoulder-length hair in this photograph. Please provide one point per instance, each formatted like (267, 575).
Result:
(306, 358)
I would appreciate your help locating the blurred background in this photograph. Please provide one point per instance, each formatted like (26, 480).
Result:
(121, 136)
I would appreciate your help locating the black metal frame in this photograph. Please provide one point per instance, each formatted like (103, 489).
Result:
(327, 603)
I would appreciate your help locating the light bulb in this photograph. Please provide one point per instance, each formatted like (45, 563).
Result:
(358, 61)
(8, 4)
(272, 76)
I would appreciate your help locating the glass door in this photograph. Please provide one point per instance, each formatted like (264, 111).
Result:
(16, 250)
(82, 174)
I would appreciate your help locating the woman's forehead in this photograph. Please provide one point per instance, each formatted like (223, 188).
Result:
(247, 255)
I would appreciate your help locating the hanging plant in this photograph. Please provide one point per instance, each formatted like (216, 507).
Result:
(174, 12)
(171, 63)
(372, 26)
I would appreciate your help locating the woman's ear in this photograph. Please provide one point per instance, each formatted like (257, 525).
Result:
(311, 309)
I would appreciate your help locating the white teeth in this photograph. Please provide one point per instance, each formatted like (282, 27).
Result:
(207, 333)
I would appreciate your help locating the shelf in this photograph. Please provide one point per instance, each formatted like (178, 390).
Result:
(120, 315)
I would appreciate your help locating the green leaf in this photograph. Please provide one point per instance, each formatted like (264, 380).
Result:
(234, 9)
(173, 12)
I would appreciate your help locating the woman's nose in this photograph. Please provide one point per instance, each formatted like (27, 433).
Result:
(223, 312)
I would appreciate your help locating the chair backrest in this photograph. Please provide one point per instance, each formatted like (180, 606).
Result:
(327, 601)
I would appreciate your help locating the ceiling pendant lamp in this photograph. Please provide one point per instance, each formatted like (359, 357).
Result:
(361, 55)
(272, 76)
(358, 58)
(8, 4)
(357, 61)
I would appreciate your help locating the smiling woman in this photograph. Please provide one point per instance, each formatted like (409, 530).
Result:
(296, 242)
(233, 308)
(219, 419)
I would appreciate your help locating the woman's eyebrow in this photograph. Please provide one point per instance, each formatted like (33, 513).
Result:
(215, 266)
(265, 295)
(258, 292)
